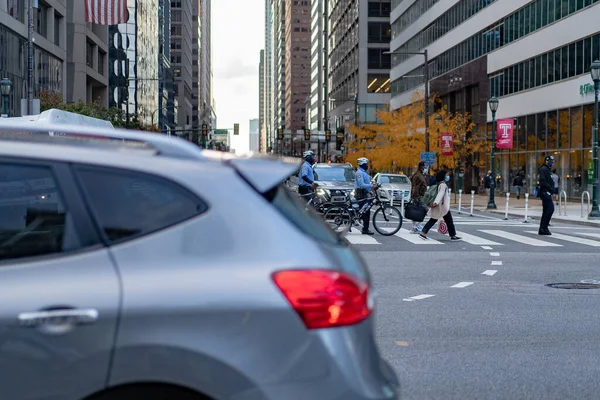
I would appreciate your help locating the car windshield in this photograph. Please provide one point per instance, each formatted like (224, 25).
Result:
(334, 174)
(403, 180)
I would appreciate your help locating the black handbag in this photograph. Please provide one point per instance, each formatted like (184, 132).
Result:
(415, 211)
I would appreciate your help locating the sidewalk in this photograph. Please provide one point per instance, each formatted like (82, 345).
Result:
(516, 208)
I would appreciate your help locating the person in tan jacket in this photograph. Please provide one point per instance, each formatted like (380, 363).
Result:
(441, 208)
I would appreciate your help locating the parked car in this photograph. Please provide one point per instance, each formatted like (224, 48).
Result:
(396, 185)
(161, 271)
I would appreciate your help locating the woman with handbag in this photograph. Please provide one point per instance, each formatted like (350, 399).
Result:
(440, 208)
(418, 187)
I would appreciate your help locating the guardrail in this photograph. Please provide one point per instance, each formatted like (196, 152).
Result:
(586, 193)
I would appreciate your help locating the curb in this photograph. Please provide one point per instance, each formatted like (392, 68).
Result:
(582, 222)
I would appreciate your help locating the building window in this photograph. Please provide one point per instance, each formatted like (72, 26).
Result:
(379, 8)
(378, 83)
(379, 32)
(57, 25)
(16, 9)
(41, 20)
(378, 60)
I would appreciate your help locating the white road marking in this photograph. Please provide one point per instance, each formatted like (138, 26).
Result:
(596, 235)
(419, 297)
(487, 248)
(356, 237)
(521, 239)
(414, 238)
(572, 239)
(489, 272)
(493, 254)
(462, 285)
(472, 239)
(496, 262)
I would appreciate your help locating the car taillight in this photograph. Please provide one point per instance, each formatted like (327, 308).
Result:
(325, 299)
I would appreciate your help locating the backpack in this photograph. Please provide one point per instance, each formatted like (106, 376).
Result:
(430, 195)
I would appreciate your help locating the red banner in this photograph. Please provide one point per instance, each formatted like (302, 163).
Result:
(446, 143)
(504, 133)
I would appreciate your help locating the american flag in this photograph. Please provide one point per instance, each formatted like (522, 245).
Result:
(106, 12)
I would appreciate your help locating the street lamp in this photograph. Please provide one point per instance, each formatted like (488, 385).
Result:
(426, 79)
(493, 107)
(5, 88)
(595, 72)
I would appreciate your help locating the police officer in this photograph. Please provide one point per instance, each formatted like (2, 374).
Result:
(306, 177)
(546, 189)
(364, 190)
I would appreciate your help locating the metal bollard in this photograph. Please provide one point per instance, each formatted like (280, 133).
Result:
(526, 208)
(506, 212)
(402, 204)
(583, 195)
(459, 200)
(472, 201)
(560, 204)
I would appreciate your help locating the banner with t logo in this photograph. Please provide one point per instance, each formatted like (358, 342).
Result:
(504, 133)
(446, 143)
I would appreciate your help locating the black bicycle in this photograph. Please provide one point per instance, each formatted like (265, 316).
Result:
(387, 219)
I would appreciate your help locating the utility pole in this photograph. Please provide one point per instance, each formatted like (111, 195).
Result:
(426, 78)
(30, 56)
(325, 66)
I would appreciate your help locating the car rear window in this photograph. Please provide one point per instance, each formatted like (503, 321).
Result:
(308, 221)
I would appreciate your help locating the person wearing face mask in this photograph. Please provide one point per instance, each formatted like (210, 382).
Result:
(440, 208)
(546, 184)
(418, 183)
(364, 190)
(306, 176)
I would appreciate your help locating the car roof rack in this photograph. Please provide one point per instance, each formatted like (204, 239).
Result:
(163, 145)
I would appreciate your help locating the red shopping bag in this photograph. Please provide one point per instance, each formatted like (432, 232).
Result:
(442, 227)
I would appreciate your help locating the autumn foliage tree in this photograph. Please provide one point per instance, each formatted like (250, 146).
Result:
(395, 144)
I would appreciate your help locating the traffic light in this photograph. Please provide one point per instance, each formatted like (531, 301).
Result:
(307, 135)
(280, 134)
(328, 135)
(236, 129)
(339, 138)
(204, 130)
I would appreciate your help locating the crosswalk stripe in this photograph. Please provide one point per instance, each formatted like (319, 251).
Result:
(520, 238)
(414, 238)
(472, 239)
(572, 239)
(595, 235)
(356, 237)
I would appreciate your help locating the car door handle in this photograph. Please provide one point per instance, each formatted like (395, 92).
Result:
(58, 317)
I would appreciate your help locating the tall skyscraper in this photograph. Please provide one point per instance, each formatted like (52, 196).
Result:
(261, 98)
(359, 82)
(296, 63)
(279, 121)
(206, 104)
(267, 124)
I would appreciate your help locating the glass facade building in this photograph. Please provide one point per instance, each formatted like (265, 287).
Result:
(134, 61)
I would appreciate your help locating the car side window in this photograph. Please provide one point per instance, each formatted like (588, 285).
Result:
(34, 221)
(131, 204)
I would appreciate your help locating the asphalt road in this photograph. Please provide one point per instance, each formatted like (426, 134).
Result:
(472, 321)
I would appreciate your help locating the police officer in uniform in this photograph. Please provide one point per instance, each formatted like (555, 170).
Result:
(546, 190)
(364, 191)
(306, 176)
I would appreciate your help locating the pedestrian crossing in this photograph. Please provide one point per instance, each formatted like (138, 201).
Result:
(485, 238)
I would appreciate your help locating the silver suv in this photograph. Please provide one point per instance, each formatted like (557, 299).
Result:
(145, 268)
(335, 182)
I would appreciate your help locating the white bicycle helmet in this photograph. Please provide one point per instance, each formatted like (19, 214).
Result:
(309, 153)
(362, 161)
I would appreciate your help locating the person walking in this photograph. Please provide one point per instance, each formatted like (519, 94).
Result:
(518, 184)
(545, 194)
(418, 183)
(440, 208)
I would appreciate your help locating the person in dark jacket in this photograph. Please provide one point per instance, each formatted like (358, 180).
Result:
(546, 189)
(417, 190)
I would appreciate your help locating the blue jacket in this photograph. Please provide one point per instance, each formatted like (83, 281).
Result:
(307, 172)
(363, 180)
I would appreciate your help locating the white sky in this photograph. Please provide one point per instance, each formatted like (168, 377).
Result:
(237, 38)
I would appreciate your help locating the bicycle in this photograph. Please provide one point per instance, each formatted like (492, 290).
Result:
(342, 218)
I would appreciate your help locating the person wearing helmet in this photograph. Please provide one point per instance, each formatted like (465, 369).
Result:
(546, 188)
(306, 176)
(364, 190)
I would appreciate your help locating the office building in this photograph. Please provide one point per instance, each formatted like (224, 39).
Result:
(267, 124)
(50, 49)
(254, 133)
(535, 56)
(134, 61)
(167, 110)
(182, 27)
(296, 63)
(261, 97)
(278, 67)
(358, 67)
(206, 102)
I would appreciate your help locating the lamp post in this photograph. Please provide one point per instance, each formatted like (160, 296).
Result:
(426, 79)
(5, 88)
(595, 72)
(493, 102)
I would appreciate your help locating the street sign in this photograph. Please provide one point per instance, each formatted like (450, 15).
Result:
(220, 131)
(428, 158)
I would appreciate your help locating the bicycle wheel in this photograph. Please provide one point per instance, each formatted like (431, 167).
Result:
(387, 220)
(339, 219)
